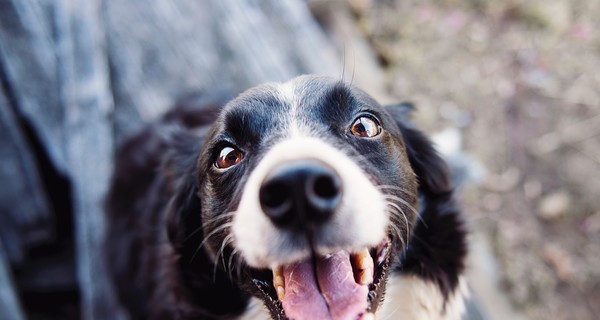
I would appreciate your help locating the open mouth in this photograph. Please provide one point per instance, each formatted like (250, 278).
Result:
(338, 286)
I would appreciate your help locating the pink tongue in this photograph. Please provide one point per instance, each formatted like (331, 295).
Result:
(341, 298)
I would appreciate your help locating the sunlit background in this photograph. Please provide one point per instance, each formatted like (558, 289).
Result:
(518, 84)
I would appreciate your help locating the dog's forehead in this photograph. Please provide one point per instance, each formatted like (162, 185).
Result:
(305, 91)
(305, 100)
(312, 94)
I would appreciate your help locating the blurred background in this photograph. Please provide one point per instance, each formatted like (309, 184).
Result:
(509, 90)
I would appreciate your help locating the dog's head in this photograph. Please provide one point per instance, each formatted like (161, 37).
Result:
(308, 194)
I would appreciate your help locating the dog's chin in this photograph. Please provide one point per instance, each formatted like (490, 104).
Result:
(340, 285)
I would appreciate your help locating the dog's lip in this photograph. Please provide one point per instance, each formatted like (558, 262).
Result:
(272, 290)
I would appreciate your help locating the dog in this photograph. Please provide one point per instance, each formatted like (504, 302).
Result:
(297, 200)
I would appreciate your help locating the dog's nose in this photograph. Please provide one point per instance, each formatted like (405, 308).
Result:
(300, 194)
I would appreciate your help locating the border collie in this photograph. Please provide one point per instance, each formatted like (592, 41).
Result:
(297, 200)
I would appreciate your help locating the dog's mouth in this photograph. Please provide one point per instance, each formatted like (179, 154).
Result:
(338, 286)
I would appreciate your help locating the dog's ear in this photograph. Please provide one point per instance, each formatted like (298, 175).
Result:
(438, 246)
(431, 170)
(183, 216)
(183, 220)
(216, 293)
(185, 136)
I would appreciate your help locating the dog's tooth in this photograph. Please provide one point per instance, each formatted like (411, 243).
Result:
(280, 292)
(366, 262)
(278, 280)
(363, 260)
(277, 270)
(366, 276)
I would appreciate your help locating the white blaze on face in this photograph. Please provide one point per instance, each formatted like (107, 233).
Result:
(360, 221)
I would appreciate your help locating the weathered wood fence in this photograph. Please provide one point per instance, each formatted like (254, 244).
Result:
(79, 75)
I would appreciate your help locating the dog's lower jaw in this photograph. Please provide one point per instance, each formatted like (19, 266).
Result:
(332, 287)
(341, 285)
(406, 297)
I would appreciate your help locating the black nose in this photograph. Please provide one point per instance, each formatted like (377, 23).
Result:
(300, 194)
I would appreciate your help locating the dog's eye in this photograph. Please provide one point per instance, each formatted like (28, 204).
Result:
(365, 127)
(228, 157)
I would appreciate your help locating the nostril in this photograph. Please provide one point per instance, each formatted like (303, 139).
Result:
(323, 195)
(326, 187)
(274, 195)
(276, 201)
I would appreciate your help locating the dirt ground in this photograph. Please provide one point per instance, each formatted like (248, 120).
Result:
(521, 82)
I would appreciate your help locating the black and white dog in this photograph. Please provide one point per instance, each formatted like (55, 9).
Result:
(307, 195)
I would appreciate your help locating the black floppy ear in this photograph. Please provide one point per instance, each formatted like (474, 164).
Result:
(438, 246)
(183, 220)
(215, 293)
(183, 210)
(431, 170)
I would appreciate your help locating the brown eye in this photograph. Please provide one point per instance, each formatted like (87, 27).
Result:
(228, 157)
(365, 127)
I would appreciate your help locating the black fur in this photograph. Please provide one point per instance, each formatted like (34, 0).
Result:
(151, 208)
(166, 199)
(438, 247)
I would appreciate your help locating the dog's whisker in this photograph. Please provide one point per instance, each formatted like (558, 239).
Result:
(220, 253)
(397, 207)
(226, 241)
(399, 199)
(399, 233)
(391, 198)
(389, 186)
(215, 231)
(398, 220)
(229, 263)
(209, 222)
(238, 267)
(220, 217)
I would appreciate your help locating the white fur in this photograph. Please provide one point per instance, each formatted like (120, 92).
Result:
(410, 297)
(256, 311)
(361, 218)
(360, 221)
(287, 95)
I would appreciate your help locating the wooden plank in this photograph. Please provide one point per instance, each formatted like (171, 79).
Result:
(55, 64)
(28, 55)
(81, 72)
(162, 50)
(87, 103)
(9, 304)
(26, 213)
